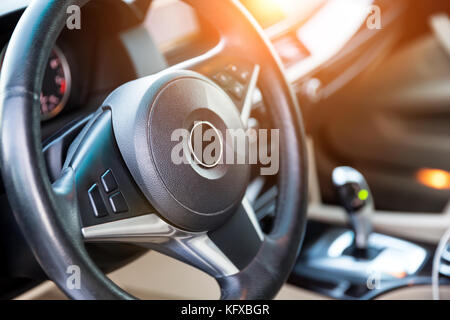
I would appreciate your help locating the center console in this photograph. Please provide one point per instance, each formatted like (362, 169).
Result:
(328, 264)
(354, 262)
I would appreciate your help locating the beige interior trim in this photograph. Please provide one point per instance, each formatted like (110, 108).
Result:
(155, 276)
(45, 291)
(426, 227)
(416, 293)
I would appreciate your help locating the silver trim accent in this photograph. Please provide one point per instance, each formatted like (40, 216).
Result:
(254, 189)
(196, 249)
(437, 264)
(252, 216)
(248, 102)
(396, 259)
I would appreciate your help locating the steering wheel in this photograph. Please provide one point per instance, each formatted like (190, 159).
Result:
(119, 183)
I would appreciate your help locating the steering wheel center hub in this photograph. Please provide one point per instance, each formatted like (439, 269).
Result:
(186, 156)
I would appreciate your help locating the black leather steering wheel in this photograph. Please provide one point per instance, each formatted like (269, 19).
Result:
(118, 184)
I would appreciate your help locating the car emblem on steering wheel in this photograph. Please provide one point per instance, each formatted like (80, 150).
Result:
(206, 144)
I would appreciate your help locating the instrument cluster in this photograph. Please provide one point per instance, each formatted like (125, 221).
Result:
(56, 86)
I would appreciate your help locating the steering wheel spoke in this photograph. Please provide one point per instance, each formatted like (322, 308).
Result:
(211, 252)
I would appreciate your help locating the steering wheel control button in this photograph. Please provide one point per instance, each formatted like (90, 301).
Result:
(242, 75)
(118, 203)
(232, 80)
(98, 206)
(237, 90)
(109, 182)
(223, 79)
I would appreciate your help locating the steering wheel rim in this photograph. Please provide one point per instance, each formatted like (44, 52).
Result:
(48, 214)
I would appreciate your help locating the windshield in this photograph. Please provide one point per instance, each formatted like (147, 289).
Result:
(270, 12)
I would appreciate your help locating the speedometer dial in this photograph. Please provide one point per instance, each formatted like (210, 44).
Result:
(56, 85)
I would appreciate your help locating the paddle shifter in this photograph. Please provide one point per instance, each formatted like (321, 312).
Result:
(356, 198)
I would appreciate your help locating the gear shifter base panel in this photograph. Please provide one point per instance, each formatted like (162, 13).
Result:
(332, 258)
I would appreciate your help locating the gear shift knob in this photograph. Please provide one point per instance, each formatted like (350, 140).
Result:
(357, 201)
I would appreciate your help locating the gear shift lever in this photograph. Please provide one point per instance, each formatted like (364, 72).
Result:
(372, 259)
(357, 200)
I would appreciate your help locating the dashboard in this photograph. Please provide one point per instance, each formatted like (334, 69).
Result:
(296, 28)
